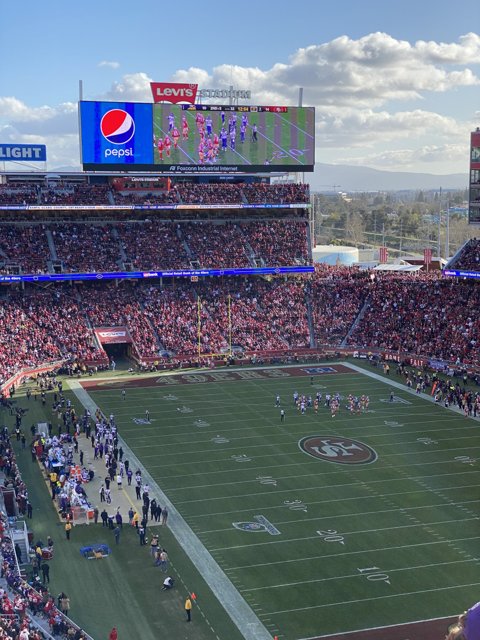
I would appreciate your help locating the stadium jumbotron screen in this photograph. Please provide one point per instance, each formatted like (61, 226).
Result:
(180, 138)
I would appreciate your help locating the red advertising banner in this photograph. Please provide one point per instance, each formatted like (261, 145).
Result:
(113, 335)
(383, 254)
(174, 92)
(427, 256)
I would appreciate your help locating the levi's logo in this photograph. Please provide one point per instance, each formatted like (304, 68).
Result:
(174, 92)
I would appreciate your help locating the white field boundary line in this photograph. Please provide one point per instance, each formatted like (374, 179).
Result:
(234, 604)
(391, 626)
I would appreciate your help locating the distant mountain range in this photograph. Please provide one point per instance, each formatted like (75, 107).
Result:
(339, 177)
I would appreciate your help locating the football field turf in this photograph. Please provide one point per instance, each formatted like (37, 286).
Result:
(323, 525)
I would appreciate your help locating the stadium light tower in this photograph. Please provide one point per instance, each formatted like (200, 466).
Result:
(439, 221)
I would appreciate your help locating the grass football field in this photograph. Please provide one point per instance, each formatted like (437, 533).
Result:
(322, 525)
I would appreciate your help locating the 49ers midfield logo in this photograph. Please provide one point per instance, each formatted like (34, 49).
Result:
(337, 449)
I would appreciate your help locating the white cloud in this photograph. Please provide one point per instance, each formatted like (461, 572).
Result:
(411, 159)
(134, 87)
(356, 85)
(109, 64)
(349, 127)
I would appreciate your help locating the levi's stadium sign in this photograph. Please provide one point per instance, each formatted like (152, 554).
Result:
(175, 92)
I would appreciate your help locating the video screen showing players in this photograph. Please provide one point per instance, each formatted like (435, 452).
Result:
(248, 136)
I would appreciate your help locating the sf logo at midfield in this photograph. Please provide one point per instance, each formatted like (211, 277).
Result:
(338, 449)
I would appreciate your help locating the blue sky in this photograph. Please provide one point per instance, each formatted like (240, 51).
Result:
(395, 83)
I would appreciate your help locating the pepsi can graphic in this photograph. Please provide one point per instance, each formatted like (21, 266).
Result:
(116, 133)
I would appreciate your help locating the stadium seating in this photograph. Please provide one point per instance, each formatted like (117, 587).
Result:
(424, 315)
(469, 258)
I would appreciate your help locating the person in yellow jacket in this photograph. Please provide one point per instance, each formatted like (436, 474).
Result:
(68, 528)
(135, 520)
(188, 608)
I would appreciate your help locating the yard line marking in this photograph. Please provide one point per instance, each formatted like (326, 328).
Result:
(331, 517)
(320, 502)
(393, 595)
(344, 533)
(345, 553)
(357, 575)
(314, 488)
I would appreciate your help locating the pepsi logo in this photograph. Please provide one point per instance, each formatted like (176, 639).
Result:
(117, 126)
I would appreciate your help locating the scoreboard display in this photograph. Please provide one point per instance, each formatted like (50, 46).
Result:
(474, 198)
(196, 139)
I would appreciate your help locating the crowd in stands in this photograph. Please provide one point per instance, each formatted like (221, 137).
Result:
(469, 257)
(337, 295)
(437, 319)
(25, 246)
(263, 315)
(141, 198)
(191, 193)
(86, 248)
(276, 193)
(65, 193)
(421, 314)
(111, 307)
(278, 243)
(18, 194)
(151, 245)
(42, 326)
(75, 194)
(217, 245)
(425, 315)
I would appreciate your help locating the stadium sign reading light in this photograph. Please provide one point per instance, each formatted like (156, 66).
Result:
(23, 152)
